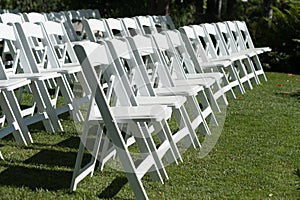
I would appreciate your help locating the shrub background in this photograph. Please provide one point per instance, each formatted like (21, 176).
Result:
(273, 23)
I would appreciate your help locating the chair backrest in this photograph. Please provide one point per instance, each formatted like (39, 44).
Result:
(56, 16)
(244, 34)
(62, 18)
(115, 27)
(35, 45)
(73, 25)
(226, 35)
(163, 23)
(218, 43)
(34, 17)
(74, 16)
(184, 51)
(149, 58)
(240, 35)
(96, 29)
(107, 74)
(158, 23)
(204, 39)
(193, 43)
(60, 43)
(131, 26)
(169, 53)
(11, 18)
(168, 22)
(146, 24)
(90, 13)
(135, 77)
(7, 35)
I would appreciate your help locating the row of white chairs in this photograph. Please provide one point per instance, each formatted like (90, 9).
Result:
(237, 69)
(44, 56)
(18, 37)
(136, 83)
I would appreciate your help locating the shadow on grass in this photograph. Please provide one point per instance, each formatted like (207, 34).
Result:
(42, 169)
(52, 158)
(297, 173)
(34, 178)
(113, 189)
(289, 94)
(72, 142)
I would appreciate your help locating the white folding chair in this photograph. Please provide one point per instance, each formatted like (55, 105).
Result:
(191, 65)
(232, 49)
(170, 45)
(147, 57)
(67, 59)
(96, 29)
(73, 25)
(146, 24)
(163, 23)
(244, 44)
(61, 18)
(11, 108)
(109, 117)
(244, 65)
(6, 18)
(142, 87)
(202, 63)
(246, 38)
(115, 27)
(35, 17)
(90, 13)
(131, 26)
(40, 58)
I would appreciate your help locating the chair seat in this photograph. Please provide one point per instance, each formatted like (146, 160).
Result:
(12, 84)
(125, 114)
(206, 82)
(215, 75)
(35, 76)
(253, 51)
(65, 70)
(171, 101)
(234, 57)
(216, 63)
(179, 90)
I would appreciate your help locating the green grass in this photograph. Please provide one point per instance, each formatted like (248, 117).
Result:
(256, 157)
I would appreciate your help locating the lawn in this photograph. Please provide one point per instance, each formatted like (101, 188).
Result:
(256, 157)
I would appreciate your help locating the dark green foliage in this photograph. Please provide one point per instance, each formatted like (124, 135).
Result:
(282, 34)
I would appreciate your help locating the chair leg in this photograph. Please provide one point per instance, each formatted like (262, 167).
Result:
(69, 98)
(146, 143)
(235, 77)
(13, 115)
(44, 104)
(184, 121)
(79, 173)
(251, 70)
(259, 67)
(243, 74)
(199, 120)
(212, 101)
